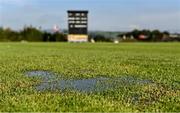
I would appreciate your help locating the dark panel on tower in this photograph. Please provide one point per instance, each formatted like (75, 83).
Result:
(77, 23)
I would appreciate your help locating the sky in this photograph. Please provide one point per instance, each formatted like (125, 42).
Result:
(106, 15)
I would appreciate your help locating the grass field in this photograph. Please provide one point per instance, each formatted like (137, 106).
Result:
(159, 62)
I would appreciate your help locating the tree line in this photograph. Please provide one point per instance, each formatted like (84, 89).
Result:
(30, 34)
(148, 35)
(137, 35)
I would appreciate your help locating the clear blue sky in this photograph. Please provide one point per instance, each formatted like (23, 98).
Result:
(113, 15)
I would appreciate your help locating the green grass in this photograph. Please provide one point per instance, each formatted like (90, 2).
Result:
(159, 62)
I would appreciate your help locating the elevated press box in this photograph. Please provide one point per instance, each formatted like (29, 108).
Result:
(78, 26)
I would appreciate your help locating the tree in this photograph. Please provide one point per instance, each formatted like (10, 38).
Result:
(46, 36)
(31, 34)
(135, 33)
(9, 35)
(156, 35)
(101, 38)
(60, 37)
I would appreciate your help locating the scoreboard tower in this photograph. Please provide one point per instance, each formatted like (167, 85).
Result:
(78, 26)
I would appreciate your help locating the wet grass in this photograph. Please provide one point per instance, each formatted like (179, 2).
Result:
(50, 81)
(158, 62)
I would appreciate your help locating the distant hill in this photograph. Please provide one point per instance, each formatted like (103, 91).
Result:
(107, 34)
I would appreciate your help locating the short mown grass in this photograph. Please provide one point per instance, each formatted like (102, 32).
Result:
(159, 62)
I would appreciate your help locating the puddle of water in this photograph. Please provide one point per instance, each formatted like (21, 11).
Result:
(83, 85)
(99, 84)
